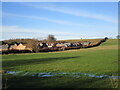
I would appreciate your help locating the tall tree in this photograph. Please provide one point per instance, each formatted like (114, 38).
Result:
(51, 38)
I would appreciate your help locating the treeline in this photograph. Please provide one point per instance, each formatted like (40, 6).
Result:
(33, 43)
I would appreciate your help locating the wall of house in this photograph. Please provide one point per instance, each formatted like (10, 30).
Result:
(14, 46)
(20, 47)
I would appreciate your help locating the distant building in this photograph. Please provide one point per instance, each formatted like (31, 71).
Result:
(12, 46)
(42, 45)
(85, 43)
(50, 45)
(4, 47)
(61, 45)
(19, 47)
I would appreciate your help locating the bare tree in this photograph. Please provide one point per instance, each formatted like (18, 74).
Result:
(51, 38)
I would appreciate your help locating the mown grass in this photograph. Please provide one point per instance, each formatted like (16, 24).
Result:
(104, 61)
(97, 60)
(110, 42)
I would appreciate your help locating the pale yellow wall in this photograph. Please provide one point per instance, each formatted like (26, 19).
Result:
(21, 47)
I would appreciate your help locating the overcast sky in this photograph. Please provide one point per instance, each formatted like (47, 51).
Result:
(65, 20)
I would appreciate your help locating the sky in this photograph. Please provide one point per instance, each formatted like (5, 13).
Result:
(64, 20)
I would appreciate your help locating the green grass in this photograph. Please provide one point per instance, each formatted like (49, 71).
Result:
(99, 60)
(104, 61)
(86, 61)
(110, 42)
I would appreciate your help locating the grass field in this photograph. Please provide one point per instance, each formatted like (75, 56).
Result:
(97, 60)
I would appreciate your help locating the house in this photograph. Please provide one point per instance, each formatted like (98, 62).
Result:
(77, 44)
(85, 43)
(19, 46)
(68, 44)
(4, 47)
(42, 45)
(13, 46)
(51, 45)
(59, 45)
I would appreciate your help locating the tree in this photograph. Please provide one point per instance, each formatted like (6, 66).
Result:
(14, 43)
(51, 38)
(34, 45)
(118, 36)
(106, 38)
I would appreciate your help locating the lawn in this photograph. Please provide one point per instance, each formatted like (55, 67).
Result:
(97, 60)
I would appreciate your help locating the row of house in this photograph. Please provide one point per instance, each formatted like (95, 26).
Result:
(59, 45)
(15, 46)
(20, 46)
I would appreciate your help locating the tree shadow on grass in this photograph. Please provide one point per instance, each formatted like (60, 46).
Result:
(34, 61)
(57, 82)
